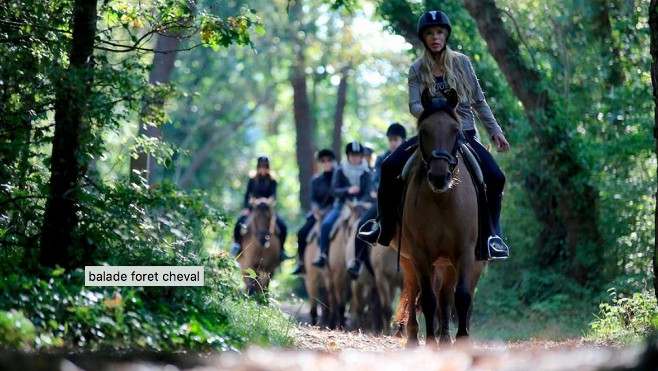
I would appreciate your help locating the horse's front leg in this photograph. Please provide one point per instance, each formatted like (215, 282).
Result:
(445, 281)
(428, 303)
(463, 297)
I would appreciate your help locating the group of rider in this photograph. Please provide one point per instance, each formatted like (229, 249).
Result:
(443, 72)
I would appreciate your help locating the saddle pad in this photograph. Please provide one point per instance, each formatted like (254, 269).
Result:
(315, 232)
(344, 215)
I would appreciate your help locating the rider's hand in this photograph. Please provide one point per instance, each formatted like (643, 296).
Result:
(373, 194)
(502, 144)
(354, 189)
(244, 212)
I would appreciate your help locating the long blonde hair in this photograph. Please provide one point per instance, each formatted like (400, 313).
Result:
(453, 73)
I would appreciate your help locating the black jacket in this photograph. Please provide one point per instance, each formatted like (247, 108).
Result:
(259, 187)
(321, 195)
(340, 184)
(378, 168)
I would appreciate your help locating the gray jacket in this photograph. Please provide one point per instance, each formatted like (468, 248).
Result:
(464, 109)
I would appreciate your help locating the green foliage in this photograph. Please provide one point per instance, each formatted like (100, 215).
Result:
(67, 314)
(16, 330)
(625, 320)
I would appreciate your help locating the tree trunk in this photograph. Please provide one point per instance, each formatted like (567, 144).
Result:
(302, 111)
(653, 27)
(67, 165)
(602, 28)
(163, 64)
(304, 130)
(561, 197)
(341, 100)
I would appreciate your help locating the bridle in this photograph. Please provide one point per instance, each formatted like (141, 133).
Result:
(266, 235)
(450, 157)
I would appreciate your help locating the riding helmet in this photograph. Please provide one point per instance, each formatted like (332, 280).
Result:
(263, 160)
(396, 129)
(354, 147)
(431, 19)
(326, 153)
(367, 149)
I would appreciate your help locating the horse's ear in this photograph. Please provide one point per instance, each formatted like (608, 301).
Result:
(453, 98)
(426, 98)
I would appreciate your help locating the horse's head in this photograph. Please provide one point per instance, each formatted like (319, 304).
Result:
(439, 133)
(263, 220)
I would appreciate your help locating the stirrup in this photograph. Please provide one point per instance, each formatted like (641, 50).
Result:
(367, 236)
(498, 250)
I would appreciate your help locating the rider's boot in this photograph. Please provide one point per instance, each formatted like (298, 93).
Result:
(381, 229)
(498, 250)
(321, 260)
(355, 268)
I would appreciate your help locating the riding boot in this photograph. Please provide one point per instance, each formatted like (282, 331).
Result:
(498, 250)
(299, 269)
(321, 260)
(384, 224)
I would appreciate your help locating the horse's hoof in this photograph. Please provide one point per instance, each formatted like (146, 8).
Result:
(412, 344)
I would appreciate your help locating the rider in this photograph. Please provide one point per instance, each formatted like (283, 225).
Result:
(321, 202)
(262, 185)
(439, 69)
(396, 134)
(351, 180)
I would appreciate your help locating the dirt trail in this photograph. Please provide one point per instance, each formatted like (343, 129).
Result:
(319, 349)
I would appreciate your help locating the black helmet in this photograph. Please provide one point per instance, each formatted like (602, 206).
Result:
(354, 147)
(431, 19)
(396, 129)
(263, 160)
(367, 149)
(326, 153)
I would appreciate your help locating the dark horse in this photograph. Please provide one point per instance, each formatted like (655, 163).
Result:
(439, 225)
(261, 246)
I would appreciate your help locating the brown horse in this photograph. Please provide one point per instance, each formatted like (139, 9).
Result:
(314, 278)
(439, 220)
(261, 246)
(337, 280)
(384, 283)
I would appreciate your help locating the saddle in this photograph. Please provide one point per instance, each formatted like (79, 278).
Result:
(471, 159)
(344, 216)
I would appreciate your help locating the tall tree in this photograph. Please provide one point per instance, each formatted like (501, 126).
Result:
(562, 198)
(166, 48)
(167, 44)
(653, 27)
(303, 115)
(67, 165)
(341, 101)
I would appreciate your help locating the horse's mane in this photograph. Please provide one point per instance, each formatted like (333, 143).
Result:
(437, 105)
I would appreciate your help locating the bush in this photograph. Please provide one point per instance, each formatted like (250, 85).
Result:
(131, 225)
(625, 320)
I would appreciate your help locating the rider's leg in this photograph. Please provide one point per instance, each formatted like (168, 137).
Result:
(283, 230)
(302, 235)
(389, 194)
(237, 236)
(495, 181)
(361, 254)
(325, 230)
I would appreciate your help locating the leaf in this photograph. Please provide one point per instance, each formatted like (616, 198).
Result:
(250, 273)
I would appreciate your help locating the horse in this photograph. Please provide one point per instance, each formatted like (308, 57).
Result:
(260, 246)
(387, 279)
(439, 221)
(314, 280)
(383, 284)
(336, 278)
